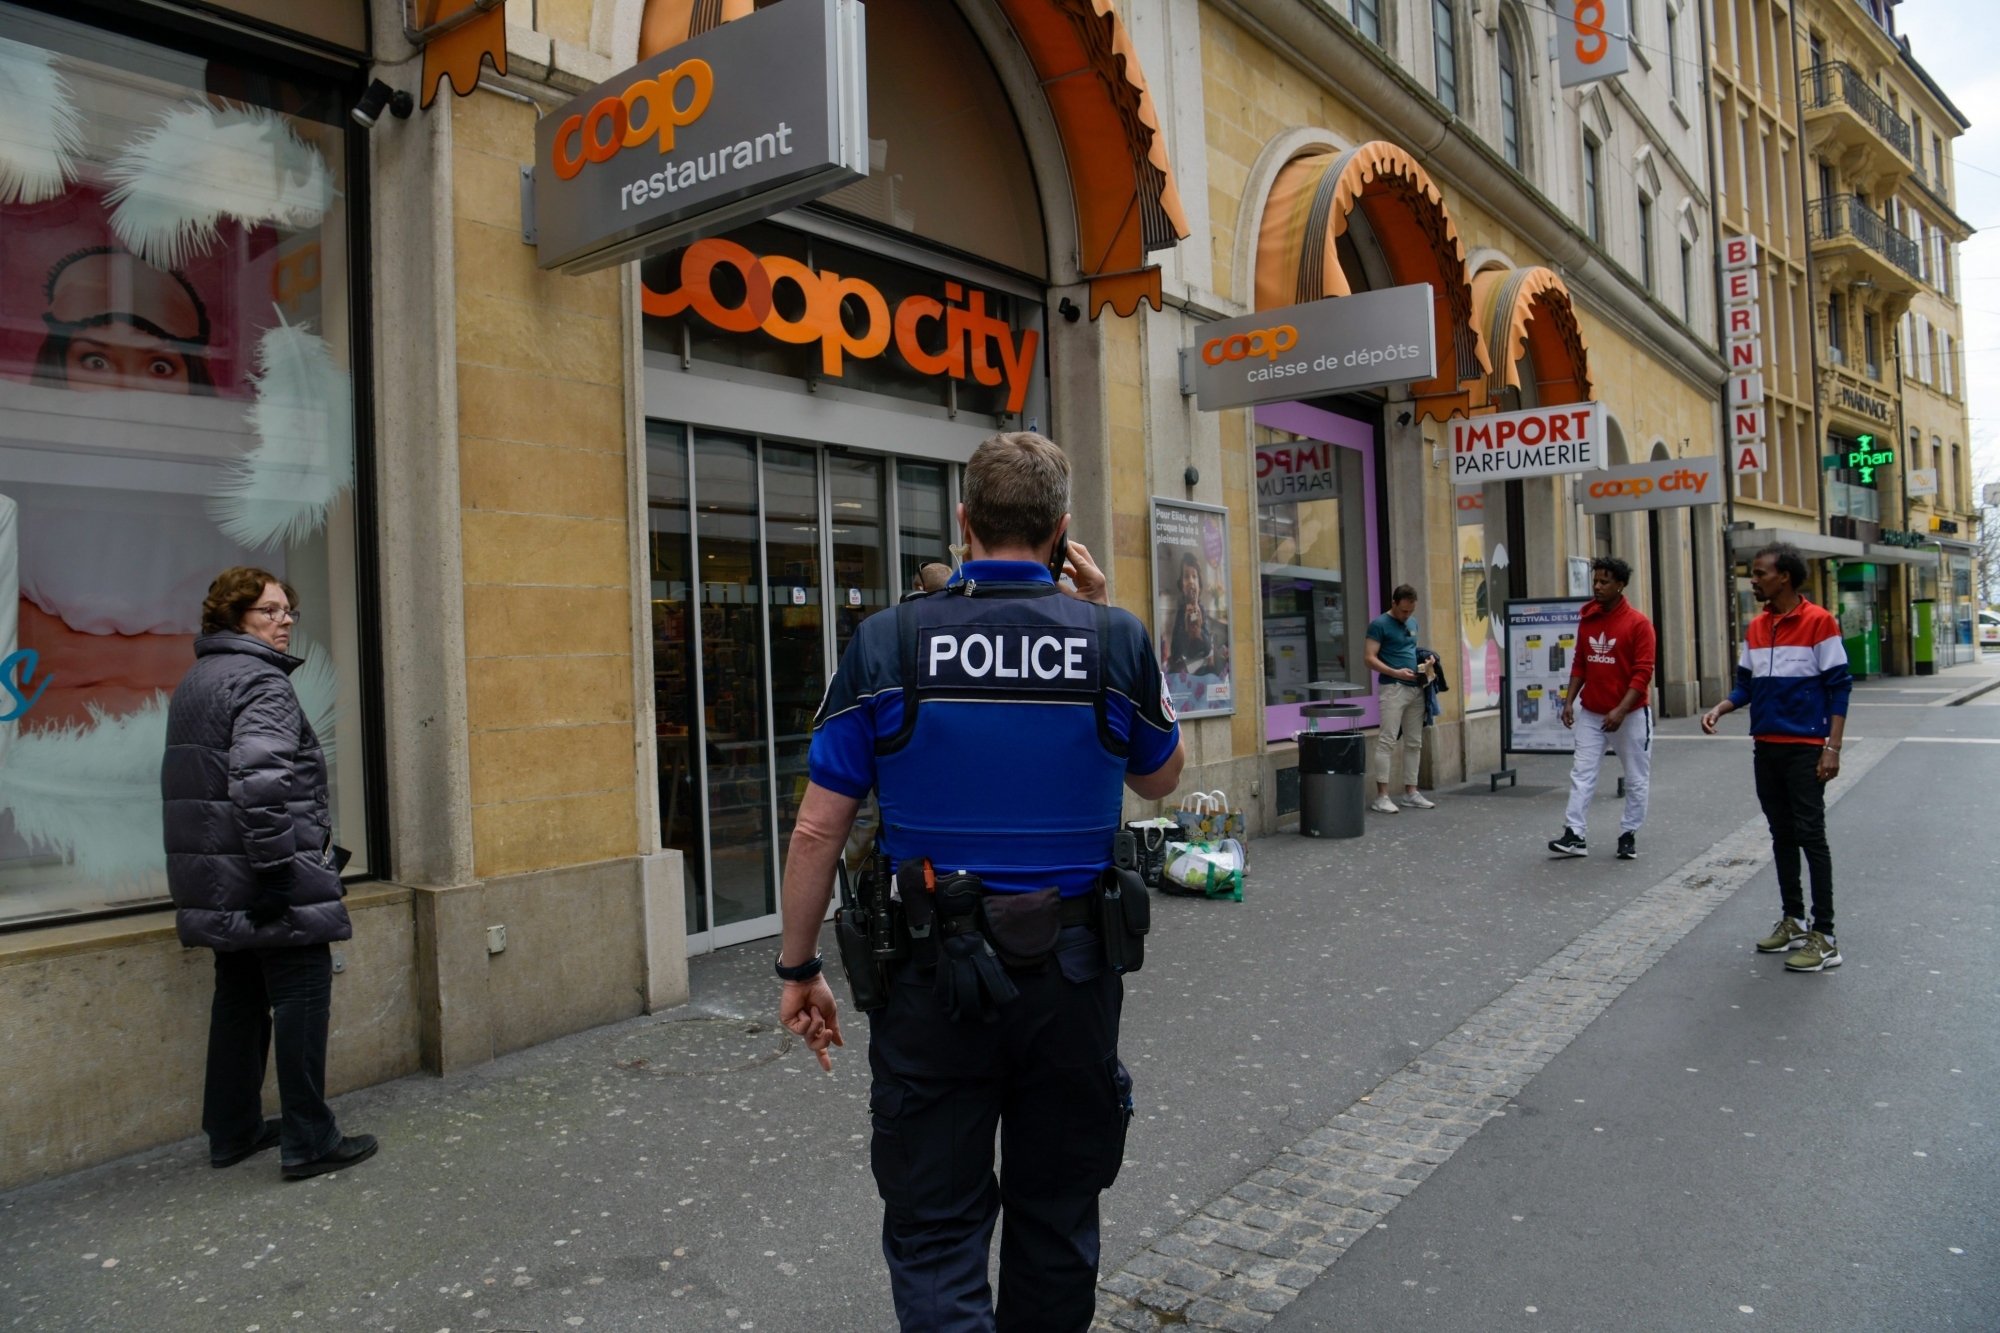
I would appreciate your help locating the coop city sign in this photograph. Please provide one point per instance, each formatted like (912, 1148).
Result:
(748, 119)
(1669, 484)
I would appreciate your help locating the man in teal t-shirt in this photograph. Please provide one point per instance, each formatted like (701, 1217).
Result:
(1392, 656)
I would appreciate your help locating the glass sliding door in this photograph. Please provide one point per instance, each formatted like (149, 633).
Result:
(924, 517)
(859, 544)
(743, 882)
(676, 670)
(797, 626)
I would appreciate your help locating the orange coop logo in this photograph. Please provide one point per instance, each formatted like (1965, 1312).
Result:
(617, 123)
(1259, 342)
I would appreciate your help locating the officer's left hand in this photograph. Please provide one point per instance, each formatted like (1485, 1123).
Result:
(1084, 573)
(808, 1009)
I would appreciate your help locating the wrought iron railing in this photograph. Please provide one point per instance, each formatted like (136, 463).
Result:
(1845, 216)
(1837, 83)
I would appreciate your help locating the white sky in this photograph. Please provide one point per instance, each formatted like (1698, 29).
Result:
(1949, 39)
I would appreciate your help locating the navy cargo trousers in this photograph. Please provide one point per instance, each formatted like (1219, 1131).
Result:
(1046, 1076)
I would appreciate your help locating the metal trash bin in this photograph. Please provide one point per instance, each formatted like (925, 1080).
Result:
(1333, 783)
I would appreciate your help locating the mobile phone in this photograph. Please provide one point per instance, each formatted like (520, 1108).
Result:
(1060, 557)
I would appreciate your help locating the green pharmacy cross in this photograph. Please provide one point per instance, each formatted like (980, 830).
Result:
(1863, 458)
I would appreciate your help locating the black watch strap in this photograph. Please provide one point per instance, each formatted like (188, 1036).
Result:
(805, 971)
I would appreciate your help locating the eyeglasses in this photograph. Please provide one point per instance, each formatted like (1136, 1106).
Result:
(276, 614)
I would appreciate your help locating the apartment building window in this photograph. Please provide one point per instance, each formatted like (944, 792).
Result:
(1646, 243)
(1955, 479)
(1673, 52)
(1444, 53)
(1907, 352)
(1367, 16)
(1593, 204)
(1871, 345)
(1946, 355)
(1923, 239)
(1510, 102)
(1687, 283)
(1925, 338)
(1937, 161)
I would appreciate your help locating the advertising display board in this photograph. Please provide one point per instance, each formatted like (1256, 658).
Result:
(1297, 352)
(1540, 639)
(739, 123)
(1534, 442)
(1191, 606)
(1593, 40)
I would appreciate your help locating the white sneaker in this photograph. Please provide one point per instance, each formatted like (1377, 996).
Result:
(1416, 800)
(1384, 806)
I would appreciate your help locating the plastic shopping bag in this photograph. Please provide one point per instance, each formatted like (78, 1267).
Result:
(1210, 869)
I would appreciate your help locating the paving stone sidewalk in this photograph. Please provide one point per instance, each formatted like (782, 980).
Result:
(1246, 1255)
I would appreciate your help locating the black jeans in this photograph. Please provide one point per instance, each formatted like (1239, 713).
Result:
(1046, 1075)
(258, 992)
(1794, 801)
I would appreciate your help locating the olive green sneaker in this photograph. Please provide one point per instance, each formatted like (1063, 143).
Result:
(1787, 935)
(1817, 954)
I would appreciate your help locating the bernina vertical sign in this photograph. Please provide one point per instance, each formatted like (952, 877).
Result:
(739, 123)
(1744, 316)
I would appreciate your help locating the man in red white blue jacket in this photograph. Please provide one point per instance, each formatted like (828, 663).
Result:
(1794, 677)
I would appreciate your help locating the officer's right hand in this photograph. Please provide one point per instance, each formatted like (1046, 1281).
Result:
(1090, 582)
(808, 1009)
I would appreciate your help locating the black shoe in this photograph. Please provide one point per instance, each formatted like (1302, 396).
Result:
(350, 1151)
(1571, 843)
(266, 1140)
(1628, 847)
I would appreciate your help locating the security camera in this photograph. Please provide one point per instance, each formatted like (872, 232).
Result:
(378, 96)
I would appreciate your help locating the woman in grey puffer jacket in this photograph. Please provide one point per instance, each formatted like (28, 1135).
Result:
(250, 863)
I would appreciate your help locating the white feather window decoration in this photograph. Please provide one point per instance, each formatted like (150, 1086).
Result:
(41, 131)
(280, 492)
(173, 184)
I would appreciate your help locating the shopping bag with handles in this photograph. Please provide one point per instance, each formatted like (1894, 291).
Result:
(1205, 869)
(1206, 816)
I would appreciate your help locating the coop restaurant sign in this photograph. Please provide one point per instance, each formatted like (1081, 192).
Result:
(739, 123)
(1362, 341)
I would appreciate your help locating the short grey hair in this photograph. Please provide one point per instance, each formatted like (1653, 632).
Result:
(1016, 489)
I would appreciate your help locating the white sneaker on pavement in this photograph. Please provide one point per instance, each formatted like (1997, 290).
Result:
(1384, 806)
(1416, 800)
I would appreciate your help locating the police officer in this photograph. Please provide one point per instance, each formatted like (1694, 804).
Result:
(996, 721)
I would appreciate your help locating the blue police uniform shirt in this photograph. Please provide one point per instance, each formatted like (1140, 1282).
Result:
(1013, 766)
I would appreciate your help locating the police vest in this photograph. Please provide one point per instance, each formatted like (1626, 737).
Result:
(999, 720)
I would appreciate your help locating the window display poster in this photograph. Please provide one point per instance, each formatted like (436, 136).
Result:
(1540, 650)
(1191, 606)
(174, 400)
(1481, 657)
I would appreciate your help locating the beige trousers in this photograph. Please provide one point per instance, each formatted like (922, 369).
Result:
(1402, 729)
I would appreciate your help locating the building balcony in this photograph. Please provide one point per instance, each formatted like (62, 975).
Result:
(1847, 235)
(1847, 120)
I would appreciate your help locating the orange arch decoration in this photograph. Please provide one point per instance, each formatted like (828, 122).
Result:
(1126, 202)
(1527, 311)
(1307, 213)
(457, 54)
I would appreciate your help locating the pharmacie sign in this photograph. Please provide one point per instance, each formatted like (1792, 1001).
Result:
(1364, 341)
(746, 120)
(1668, 484)
(1535, 442)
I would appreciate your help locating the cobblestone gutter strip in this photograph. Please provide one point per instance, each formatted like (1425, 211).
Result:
(1247, 1255)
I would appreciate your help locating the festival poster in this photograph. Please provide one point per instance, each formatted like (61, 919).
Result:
(1191, 606)
(1541, 650)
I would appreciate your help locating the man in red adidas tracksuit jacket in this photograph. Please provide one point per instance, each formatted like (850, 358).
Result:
(1613, 673)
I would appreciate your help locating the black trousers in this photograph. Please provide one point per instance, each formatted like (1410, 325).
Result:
(1047, 1076)
(1794, 801)
(258, 993)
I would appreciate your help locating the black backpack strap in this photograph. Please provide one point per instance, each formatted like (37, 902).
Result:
(906, 675)
(1122, 749)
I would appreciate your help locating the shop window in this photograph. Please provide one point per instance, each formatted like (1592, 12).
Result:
(946, 158)
(924, 518)
(676, 689)
(175, 399)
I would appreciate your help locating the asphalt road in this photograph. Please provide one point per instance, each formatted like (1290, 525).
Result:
(1733, 1147)
(682, 1171)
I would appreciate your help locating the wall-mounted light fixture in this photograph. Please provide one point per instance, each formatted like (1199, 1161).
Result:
(1069, 310)
(379, 97)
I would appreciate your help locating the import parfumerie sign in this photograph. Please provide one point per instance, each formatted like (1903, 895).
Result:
(1362, 341)
(748, 119)
(1535, 442)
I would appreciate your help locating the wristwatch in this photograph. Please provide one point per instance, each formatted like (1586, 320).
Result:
(805, 971)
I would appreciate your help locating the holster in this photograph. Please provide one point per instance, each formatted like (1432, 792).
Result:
(971, 983)
(867, 982)
(1125, 916)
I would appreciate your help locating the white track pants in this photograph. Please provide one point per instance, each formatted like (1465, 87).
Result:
(1633, 742)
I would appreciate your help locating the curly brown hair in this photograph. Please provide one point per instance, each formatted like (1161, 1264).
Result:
(232, 595)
